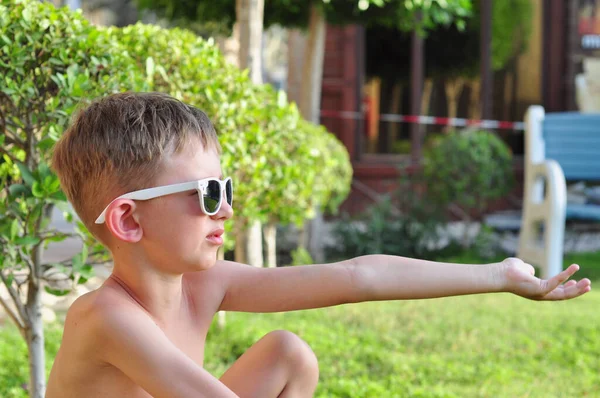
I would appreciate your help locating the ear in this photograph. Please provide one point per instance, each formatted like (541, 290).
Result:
(122, 221)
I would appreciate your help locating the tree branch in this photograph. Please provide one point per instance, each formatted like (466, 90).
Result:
(13, 294)
(52, 235)
(30, 265)
(13, 315)
(10, 155)
(13, 139)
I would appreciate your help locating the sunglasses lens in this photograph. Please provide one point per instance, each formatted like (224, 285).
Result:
(212, 198)
(229, 192)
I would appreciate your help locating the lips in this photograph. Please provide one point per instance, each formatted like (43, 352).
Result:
(216, 237)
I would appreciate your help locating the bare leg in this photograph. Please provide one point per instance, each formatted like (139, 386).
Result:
(280, 364)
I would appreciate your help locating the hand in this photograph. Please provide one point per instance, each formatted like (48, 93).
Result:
(520, 279)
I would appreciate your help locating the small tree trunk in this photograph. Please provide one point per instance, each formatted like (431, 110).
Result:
(296, 51)
(466, 240)
(249, 16)
(427, 90)
(34, 332)
(315, 244)
(240, 247)
(34, 335)
(221, 314)
(453, 89)
(395, 107)
(312, 75)
(303, 236)
(475, 108)
(270, 232)
(230, 46)
(254, 247)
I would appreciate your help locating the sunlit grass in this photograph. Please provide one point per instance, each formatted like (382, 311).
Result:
(493, 345)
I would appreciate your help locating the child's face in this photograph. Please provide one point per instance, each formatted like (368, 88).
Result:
(177, 235)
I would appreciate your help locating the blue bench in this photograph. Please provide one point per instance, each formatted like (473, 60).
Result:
(559, 147)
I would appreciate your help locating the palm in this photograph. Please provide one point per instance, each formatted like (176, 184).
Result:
(521, 280)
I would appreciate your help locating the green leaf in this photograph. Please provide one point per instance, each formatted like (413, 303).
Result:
(14, 229)
(84, 254)
(18, 189)
(26, 174)
(44, 170)
(59, 195)
(56, 292)
(37, 190)
(27, 241)
(10, 278)
(150, 68)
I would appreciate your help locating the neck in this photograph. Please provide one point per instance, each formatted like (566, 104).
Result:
(161, 294)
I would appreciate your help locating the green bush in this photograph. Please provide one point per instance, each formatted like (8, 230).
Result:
(282, 165)
(468, 169)
(382, 230)
(53, 61)
(301, 256)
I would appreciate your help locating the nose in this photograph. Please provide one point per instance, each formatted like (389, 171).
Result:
(226, 211)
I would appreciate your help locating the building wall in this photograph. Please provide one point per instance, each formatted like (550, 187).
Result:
(529, 88)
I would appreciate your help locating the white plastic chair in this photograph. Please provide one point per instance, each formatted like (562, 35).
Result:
(544, 201)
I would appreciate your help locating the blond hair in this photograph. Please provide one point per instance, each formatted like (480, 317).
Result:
(117, 144)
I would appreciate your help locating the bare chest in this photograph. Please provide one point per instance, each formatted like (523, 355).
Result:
(190, 337)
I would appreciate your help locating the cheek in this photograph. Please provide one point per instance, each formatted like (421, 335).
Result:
(174, 221)
(192, 206)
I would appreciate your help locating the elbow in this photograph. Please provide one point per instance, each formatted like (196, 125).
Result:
(358, 279)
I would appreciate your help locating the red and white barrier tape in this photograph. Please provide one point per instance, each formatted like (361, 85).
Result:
(440, 121)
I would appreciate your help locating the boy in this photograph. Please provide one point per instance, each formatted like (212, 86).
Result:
(142, 171)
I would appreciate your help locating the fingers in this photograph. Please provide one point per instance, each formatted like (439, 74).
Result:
(570, 290)
(570, 283)
(554, 282)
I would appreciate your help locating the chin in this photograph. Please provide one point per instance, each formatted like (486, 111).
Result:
(205, 262)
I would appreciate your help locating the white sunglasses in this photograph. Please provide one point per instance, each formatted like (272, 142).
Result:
(210, 193)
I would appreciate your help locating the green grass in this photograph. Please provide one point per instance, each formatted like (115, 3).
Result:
(14, 365)
(474, 346)
(477, 346)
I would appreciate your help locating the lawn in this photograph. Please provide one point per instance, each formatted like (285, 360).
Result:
(476, 346)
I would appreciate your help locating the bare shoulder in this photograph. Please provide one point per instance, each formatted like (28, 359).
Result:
(81, 366)
(92, 318)
(210, 286)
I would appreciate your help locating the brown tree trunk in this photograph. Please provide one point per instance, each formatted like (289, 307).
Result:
(221, 317)
(270, 232)
(453, 88)
(310, 97)
(240, 246)
(296, 49)
(312, 73)
(34, 333)
(427, 90)
(249, 18)
(475, 107)
(254, 246)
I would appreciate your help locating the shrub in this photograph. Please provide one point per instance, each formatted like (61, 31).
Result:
(468, 169)
(51, 61)
(383, 230)
(282, 165)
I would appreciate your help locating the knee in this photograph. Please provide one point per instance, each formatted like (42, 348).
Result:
(297, 355)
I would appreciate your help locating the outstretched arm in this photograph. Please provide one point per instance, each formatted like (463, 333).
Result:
(383, 277)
